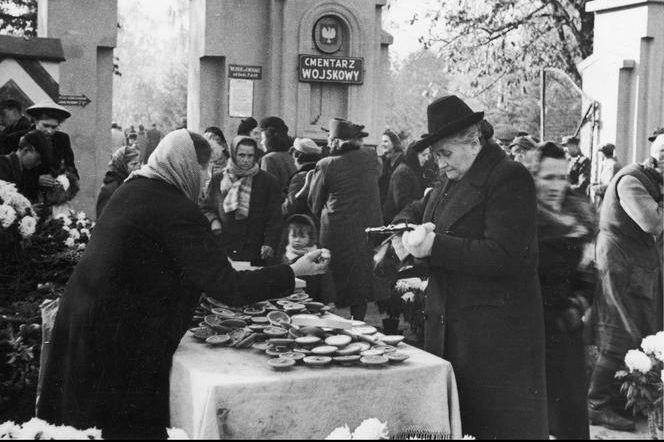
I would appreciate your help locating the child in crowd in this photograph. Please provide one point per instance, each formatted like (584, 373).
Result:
(301, 238)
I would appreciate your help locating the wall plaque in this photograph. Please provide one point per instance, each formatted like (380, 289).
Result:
(325, 69)
(328, 34)
(245, 72)
(240, 97)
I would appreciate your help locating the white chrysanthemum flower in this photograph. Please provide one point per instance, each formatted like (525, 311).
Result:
(66, 220)
(19, 202)
(177, 434)
(371, 429)
(636, 360)
(81, 216)
(81, 246)
(9, 428)
(85, 232)
(64, 181)
(468, 437)
(27, 226)
(7, 190)
(341, 433)
(74, 233)
(408, 297)
(93, 433)
(33, 429)
(424, 284)
(70, 242)
(7, 215)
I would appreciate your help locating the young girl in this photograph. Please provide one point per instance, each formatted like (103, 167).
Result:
(302, 237)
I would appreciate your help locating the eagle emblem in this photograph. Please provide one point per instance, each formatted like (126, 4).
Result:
(329, 34)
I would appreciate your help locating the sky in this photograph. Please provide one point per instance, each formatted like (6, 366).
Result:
(395, 21)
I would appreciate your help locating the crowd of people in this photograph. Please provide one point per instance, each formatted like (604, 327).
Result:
(517, 239)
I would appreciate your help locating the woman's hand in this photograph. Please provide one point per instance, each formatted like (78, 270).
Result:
(47, 181)
(267, 252)
(313, 263)
(216, 227)
(419, 242)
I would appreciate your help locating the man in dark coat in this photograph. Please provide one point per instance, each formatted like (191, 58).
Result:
(483, 304)
(13, 120)
(579, 166)
(629, 262)
(132, 294)
(344, 197)
(48, 116)
(34, 150)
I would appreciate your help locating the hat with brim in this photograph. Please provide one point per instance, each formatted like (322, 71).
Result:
(447, 116)
(344, 129)
(655, 134)
(49, 107)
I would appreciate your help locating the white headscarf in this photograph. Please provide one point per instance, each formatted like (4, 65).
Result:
(174, 161)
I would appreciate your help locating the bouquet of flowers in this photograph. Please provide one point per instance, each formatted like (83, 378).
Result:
(37, 429)
(411, 293)
(79, 228)
(642, 380)
(17, 218)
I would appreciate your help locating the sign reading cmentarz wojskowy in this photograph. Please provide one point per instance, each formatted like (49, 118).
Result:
(325, 69)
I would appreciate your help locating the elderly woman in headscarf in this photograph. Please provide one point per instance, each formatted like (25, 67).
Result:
(243, 206)
(132, 295)
(565, 225)
(123, 162)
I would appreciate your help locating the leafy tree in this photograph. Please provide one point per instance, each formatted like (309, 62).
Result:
(509, 40)
(18, 17)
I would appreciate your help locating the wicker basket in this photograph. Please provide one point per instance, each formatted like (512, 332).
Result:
(656, 424)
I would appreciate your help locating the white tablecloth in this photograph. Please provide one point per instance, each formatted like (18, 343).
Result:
(256, 402)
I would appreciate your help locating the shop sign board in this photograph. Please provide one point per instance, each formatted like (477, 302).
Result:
(326, 69)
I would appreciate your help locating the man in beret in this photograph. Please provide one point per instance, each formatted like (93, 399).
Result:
(483, 308)
(579, 167)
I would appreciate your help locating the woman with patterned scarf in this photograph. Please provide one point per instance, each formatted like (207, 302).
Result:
(123, 162)
(566, 225)
(243, 205)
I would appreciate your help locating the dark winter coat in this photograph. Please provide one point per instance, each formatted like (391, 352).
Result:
(21, 125)
(389, 165)
(112, 181)
(406, 186)
(128, 304)
(242, 239)
(12, 172)
(567, 289)
(629, 263)
(282, 166)
(344, 196)
(483, 304)
(293, 205)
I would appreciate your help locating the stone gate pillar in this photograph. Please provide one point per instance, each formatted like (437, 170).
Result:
(88, 33)
(625, 73)
(303, 60)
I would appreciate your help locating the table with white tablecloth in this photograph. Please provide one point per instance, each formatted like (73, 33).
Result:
(224, 393)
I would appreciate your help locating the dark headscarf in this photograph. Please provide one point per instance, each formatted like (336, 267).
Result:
(413, 162)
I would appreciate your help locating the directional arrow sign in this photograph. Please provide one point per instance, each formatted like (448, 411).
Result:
(73, 100)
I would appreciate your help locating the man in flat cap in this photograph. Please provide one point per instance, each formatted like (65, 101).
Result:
(484, 314)
(344, 196)
(579, 167)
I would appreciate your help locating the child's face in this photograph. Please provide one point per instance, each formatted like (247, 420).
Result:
(299, 239)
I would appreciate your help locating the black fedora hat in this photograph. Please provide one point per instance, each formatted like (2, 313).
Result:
(446, 116)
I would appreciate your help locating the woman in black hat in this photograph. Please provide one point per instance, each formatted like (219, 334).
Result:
(276, 142)
(483, 305)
